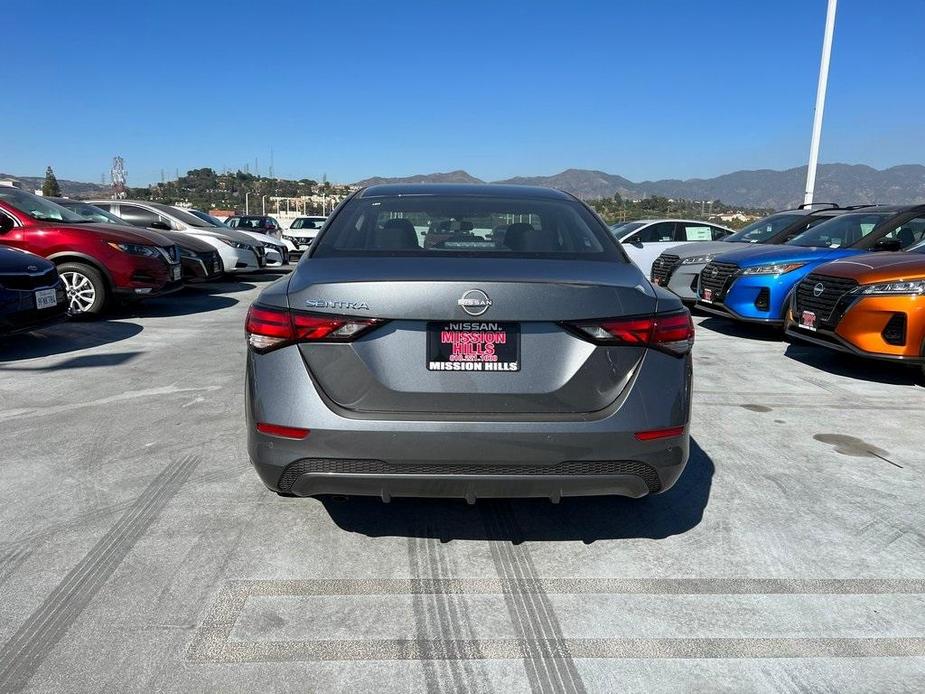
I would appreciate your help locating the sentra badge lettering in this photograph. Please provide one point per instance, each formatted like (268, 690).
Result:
(327, 303)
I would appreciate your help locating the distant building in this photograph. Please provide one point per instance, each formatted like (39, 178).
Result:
(12, 183)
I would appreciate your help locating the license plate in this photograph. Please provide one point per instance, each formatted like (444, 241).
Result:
(708, 295)
(46, 298)
(656, 280)
(175, 272)
(473, 346)
(217, 266)
(808, 320)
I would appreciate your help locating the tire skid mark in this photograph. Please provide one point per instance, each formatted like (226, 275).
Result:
(22, 655)
(10, 560)
(440, 629)
(549, 663)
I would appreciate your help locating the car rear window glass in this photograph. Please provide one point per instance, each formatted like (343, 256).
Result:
(436, 226)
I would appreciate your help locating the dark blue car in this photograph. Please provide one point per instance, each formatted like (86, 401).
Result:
(31, 293)
(754, 284)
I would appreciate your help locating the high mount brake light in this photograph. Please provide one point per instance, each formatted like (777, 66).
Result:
(668, 332)
(271, 328)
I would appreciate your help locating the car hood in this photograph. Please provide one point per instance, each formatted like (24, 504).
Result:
(15, 261)
(878, 267)
(187, 241)
(691, 250)
(219, 232)
(122, 234)
(767, 255)
(257, 236)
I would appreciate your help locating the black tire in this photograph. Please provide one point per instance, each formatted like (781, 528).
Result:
(86, 288)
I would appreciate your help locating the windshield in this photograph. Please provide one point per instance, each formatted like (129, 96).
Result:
(254, 222)
(185, 217)
(435, 226)
(621, 231)
(38, 208)
(839, 232)
(764, 229)
(207, 218)
(93, 213)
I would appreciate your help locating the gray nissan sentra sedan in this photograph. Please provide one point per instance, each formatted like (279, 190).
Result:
(467, 341)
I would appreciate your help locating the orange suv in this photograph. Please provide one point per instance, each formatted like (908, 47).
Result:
(872, 305)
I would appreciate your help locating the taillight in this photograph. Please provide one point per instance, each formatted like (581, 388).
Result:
(271, 328)
(669, 332)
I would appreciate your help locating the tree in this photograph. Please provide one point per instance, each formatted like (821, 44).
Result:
(50, 187)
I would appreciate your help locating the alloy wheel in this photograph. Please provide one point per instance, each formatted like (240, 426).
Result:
(80, 292)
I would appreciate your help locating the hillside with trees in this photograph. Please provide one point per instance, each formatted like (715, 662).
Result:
(206, 189)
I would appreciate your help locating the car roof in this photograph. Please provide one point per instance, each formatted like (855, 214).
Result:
(486, 190)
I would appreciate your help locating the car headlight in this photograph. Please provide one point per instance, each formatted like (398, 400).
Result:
(237, 244)
(135, 249)
(915, 287)
(775, 269)
(698, 259)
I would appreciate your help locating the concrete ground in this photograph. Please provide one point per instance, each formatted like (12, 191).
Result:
(139, 551)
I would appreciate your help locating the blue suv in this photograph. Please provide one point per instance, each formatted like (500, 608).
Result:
(754, 284)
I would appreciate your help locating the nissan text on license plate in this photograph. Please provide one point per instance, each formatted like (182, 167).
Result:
(175, 272)
(46, 298)
(808, 320)
(473, 346)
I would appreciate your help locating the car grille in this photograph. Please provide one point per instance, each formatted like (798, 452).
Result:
(21, 280)
(377, 467)
(717, 277)
(663, 267)
(828, 305)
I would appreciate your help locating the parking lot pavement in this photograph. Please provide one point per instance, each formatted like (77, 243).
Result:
(139, 552)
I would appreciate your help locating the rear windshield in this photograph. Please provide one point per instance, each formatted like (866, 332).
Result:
(435, 226)
(763, 229)
(841, 231)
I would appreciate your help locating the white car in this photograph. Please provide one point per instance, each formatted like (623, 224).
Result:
(277, 253)
(644, 240)
(300, 235)
(239, 252)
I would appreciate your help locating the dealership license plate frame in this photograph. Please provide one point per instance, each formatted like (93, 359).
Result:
(707, 296)
(508, 352)
(45, 298)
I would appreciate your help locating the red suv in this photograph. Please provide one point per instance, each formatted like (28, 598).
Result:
(97, 262)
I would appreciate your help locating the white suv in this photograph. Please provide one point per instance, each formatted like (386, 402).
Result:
(299, 237)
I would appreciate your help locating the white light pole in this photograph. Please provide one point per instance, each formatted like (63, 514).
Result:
(246, 206)
(820, 102)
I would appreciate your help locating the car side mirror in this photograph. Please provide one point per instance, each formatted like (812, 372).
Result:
(162, 226)
(888, 245)
(6, 224)
(634, 241)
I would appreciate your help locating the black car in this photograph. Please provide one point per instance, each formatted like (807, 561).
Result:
(31, 292)
(200, 261)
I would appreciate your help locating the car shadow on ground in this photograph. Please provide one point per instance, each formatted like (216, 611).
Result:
(841, 364)
(64, 337)
(732, 328)
(182, 303)
(531, 520)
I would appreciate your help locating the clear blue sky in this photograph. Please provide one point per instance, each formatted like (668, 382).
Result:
(645, 89)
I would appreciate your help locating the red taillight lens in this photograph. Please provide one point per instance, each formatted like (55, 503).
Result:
(669, 332)
(271, 328)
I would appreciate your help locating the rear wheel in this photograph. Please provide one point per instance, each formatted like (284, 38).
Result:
(86, 290)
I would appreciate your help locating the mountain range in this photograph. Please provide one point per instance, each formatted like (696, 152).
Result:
(71, 189)
(764, 188)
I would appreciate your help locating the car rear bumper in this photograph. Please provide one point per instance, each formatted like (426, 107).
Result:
(428, 455)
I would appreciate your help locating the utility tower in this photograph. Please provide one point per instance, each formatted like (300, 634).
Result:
(117, 175)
